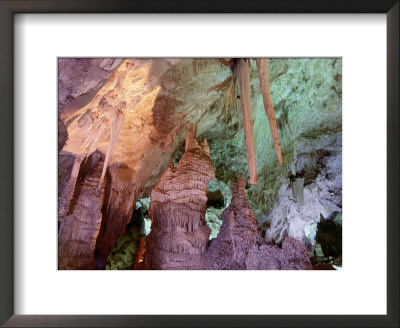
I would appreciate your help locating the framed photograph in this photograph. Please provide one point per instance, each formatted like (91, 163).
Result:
(211, 164)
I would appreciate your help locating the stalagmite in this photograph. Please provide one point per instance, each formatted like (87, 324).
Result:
(238, 245)
(243, 76)
(79, 229)
(179, 233)
(121, 140)
(262, 66)
(116, 122)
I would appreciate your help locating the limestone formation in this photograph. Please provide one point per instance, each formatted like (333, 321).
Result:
(298, 210)
(238, 245)
(79, 228)
(122, 121)
(262, 66)
(117, 209)
(69, 173)
(117, 120)
(242, 70)
(179, 233)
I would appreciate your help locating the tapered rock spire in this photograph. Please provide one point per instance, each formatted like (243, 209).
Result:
(243, 76)
(116, 122)
(179, 233)
(238, 245)
(262, 67)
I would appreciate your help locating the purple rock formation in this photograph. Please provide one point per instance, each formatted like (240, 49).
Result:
(238, 245)
(178, 236)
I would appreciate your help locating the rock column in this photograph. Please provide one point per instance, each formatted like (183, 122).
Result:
(179, 232)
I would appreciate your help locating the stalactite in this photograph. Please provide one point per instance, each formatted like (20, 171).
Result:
(298, 190)
(93, 134)
(262, 66)
(116, 122)
(242, 70)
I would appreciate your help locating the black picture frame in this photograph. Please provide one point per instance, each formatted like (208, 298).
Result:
(7, 11)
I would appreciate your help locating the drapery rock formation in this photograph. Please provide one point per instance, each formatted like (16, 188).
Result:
(179, 233)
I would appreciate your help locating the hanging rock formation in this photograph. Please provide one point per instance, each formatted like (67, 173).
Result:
(238, 245)
(242, 70)
(179, 233)
(262, 67)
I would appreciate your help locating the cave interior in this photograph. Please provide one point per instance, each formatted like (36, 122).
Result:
(200, 163)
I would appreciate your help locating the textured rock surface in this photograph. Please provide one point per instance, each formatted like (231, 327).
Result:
(214, 220)
(117, 210)
(306, 94)
(219, 197)
(155, 112)
(320, 165)
(179, 232)
(79, 79)
(238, 245)
(79, 228)
(157, 97)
